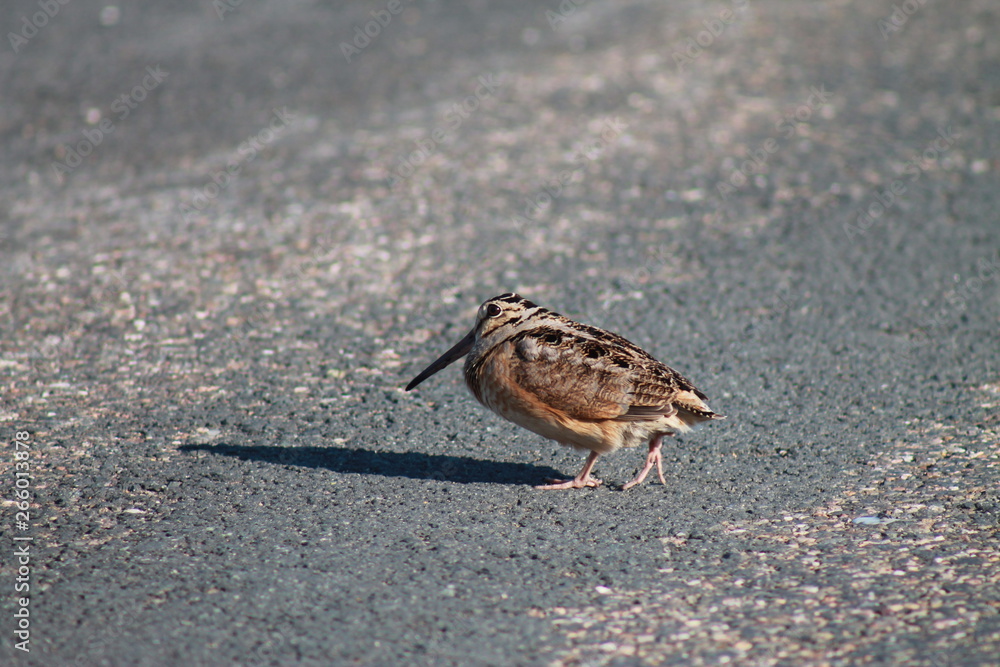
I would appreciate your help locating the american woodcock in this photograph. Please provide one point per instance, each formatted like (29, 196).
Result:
(573, 383)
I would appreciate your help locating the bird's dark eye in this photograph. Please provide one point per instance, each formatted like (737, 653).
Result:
(493, 310)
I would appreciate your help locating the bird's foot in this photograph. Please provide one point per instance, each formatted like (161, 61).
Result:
(655, 456)
(575, 483)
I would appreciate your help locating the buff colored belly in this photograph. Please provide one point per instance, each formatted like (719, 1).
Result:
(512, 403)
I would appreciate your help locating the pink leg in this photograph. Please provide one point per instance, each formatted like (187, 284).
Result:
(580, 481)
(654, 456)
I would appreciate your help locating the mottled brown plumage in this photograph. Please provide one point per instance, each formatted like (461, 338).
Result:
(573, 383)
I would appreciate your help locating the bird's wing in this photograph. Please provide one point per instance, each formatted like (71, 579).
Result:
(658, 384)
(591, 379)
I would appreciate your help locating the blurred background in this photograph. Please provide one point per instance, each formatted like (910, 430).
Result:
(246, 224)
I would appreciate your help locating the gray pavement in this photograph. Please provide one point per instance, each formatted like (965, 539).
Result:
(232, 232)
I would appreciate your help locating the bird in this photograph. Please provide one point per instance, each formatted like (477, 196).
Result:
(573, 383)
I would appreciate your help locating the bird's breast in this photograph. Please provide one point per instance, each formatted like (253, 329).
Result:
(492, 381)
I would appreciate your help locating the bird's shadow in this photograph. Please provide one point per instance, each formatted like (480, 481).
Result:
(414, 465)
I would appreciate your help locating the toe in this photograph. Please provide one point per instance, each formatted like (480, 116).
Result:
(556, 484)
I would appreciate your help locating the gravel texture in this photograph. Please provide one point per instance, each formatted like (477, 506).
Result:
(209, 365)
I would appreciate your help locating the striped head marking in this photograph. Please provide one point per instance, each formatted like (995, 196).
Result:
(503, 314)
(496, 318)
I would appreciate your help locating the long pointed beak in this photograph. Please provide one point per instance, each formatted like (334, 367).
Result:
(461, 349)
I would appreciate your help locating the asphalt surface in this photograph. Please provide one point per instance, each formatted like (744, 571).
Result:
(210, 313)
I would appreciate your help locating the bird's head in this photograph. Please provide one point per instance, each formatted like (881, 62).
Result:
(496, 315)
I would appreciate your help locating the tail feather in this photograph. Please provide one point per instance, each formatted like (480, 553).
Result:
(693, 414)
(693, 409)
